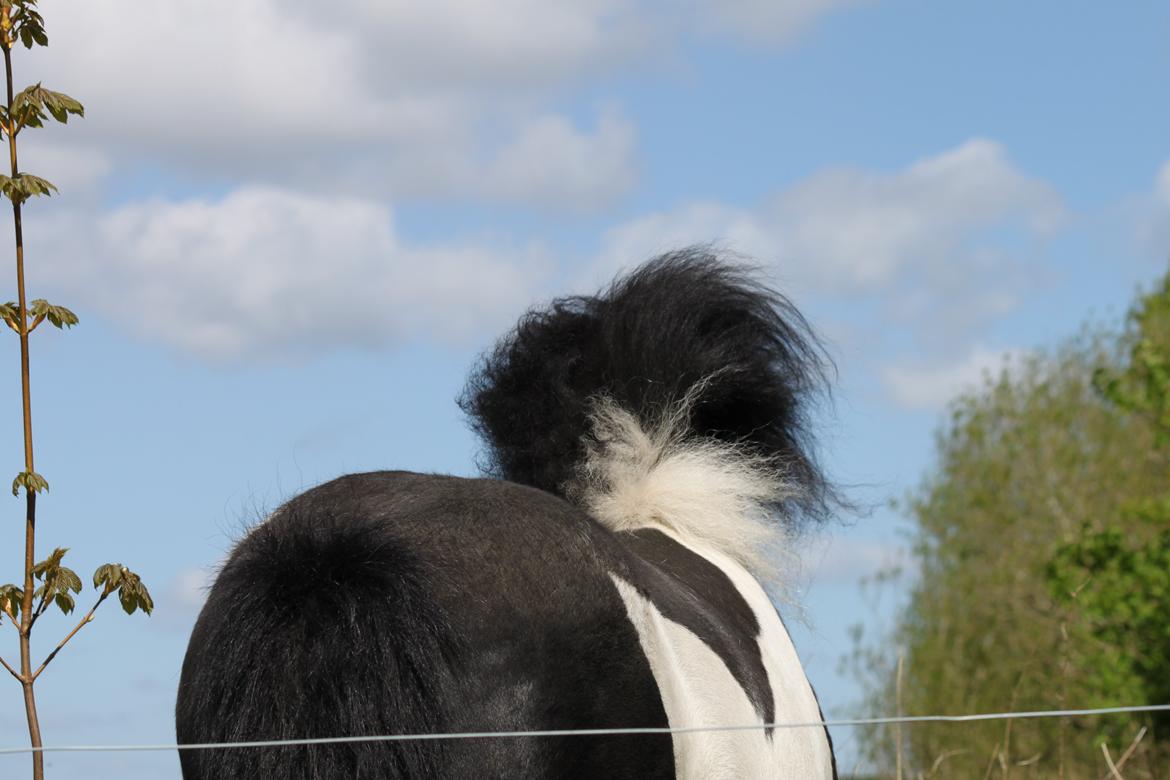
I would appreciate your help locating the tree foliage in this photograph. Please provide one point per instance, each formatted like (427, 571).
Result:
(1042, 550)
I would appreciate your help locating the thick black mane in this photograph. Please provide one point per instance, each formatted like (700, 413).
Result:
(683, 318)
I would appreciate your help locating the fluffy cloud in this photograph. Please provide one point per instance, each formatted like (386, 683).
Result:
(1162, 186)
(469, 45)
(388, 98)
(1155, 226)
(554, 162)
(839, 560)
(394, 99)
(269, 272)
(275, 271)
(73, 168)
(188, 589)
(850, 231)
(931, 386)
(769, 21)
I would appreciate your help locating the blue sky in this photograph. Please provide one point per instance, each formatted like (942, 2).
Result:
(288, 237)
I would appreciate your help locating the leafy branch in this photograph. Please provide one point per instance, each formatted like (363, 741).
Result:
(110, 577)
(58, 584)
(40, 310)
(32, 106)
(48, 582)
(31, 481)
(22, 186)
(22, 22)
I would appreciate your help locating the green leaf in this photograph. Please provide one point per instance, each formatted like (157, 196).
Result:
(33, 105)
(29, 481)
(64, 602)
(62, 317)
(10, 313)
(29, 25)
(35, 185)
(145, 602)
(23, 186)
(50, 564)
(57, 315)
(11, 599)
(68, 580)
(128, 598)
(108, 575)
(132, 593)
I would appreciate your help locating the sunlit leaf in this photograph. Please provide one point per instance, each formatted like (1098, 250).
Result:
(50, 564)
(10, 314)
(108, 575)
(67, 579)
(128, 599)
(57, 315)
(11, 599)
(30, 481)
(64, 602)
(23, 186)
(144, 599)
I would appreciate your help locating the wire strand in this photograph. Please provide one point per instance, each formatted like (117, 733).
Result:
(590, 732)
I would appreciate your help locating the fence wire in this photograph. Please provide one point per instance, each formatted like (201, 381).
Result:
(848, 722)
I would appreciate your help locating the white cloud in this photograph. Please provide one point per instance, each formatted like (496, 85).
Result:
(179, 601)
(552, 161)
(850, 231)
(188, 590)
(1162, 186)
(1160, 225)
(1148, 217)
(932, 386)
(72, 168)
(770, 21)
(844, 560)
(858, 230)
(462, 45)
(269, 272)
(386, 97)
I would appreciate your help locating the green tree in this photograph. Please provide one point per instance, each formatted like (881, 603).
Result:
(1116, 575)
(1041, 555)
(46, 583)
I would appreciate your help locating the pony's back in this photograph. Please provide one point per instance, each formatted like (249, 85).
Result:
(651, 449)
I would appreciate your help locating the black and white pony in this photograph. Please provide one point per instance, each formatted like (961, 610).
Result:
(649, 455)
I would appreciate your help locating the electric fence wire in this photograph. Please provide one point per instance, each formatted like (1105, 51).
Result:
(591, 732)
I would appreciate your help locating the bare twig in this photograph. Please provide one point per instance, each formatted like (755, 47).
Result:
(1124, 756)
(11, 671)
(1109, 760)
(40, 608)
(995, 751)
(88, 617)
(898, 726)
(943, 757)
(1030, 760)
